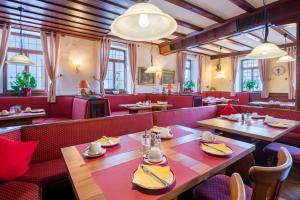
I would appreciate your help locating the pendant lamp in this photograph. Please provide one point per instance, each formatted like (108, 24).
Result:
(143, 22)
(20, 59)
(266, 50)
(152, 68)
(220, 73)
(286, 58)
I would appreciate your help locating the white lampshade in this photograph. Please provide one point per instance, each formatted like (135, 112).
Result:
(220, 74)
(285, 59)
(20, 59)
(152, 69)
(266, 51)
(143, 22)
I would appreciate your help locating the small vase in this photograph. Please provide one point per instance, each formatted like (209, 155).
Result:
(26, 92)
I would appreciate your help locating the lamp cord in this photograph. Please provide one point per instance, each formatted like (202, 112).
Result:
(266, 22)
(21, 31)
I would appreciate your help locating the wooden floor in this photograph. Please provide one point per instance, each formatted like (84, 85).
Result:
(291, 188)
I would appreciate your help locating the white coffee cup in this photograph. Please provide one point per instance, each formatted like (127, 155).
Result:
(155, 155)
(254, 114)
(165, 132)
(27, 109)
(95, 148)
(207, 136)
(269, 119)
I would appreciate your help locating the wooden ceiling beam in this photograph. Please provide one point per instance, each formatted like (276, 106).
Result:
(221, 47)
(188, 25)
(234, 42)
(208, 50)
(243, 4)
(193, 8)
(245, 23)
(239, 53)
(177, 34)
(284, 32)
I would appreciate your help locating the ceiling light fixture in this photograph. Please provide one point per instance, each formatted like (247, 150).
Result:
(143, 22)
(152, 69)
(20, 59)
(220, 73)
(286, 58)
(266, 50)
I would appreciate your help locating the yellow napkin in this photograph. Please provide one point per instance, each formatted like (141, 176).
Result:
(156, 129)
(115, 140)
(212, 149)
(147, 181)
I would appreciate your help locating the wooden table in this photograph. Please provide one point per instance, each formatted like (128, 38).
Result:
(134, 108)
(19, 119)
(258, 129)
(218, 101)
(284, 105)
(193, 170)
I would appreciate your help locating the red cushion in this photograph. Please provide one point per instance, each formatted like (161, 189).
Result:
(11, 133)
(228, 110)
(62, 108)
(14, 190)
(180, 101)
(79, 108)
(14, 158)
(46, 172)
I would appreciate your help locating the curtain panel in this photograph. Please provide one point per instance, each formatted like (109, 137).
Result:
(51, 52)
(181, 60)
(292, 73)
(201, 58)
(5, 32)
(264, 77)
(234, 66)
(104, 48)
(132, 54)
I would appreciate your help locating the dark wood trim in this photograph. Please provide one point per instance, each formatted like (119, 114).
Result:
(177, 34)
(284, 32)
(239, 53)
(193, 8)
(243, 4)
(188, 25)
(244, 23)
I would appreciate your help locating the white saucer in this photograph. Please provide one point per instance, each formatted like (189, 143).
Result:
(201, 140)
(163, 161)
(166, 137)
(87, 155)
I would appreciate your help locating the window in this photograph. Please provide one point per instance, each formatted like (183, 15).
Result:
(188, 70)
(116, 72)
(32, 48)
(250, 72)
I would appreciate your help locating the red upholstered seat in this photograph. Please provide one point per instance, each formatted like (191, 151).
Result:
(180, 101)
(274, 147)
(15, 190)
(41, 120)
(217, 188)
(12, 133)
(292, 138)
(185, 117)
(46, 172)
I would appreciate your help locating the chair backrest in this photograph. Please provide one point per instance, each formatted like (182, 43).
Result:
(266, 181)
(237, 189)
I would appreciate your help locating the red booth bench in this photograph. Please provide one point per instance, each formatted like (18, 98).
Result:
(65, 108)
(47, 168)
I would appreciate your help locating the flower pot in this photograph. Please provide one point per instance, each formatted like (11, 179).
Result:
(116, 92)
(26, 92)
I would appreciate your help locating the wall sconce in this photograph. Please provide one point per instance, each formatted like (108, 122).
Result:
(77, 67)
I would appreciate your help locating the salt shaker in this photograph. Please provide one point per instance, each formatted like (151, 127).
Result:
(145, 143)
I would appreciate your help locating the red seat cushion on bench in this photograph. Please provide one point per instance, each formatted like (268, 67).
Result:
(48, 120)
(46, 172)
(15, 190)
(291, 138)
(228, 110)
(274, 148)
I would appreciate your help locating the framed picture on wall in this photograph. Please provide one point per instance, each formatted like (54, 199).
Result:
(168, 76)
(145, 78)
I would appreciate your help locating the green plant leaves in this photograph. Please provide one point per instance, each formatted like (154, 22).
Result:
(23, 80)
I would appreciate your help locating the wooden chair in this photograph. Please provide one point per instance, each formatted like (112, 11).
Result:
(237, 189)
(266, 182)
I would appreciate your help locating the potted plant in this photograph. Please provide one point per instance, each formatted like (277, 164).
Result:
(250, 85)
(188, 86)
(116, 89)
(24, 84)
